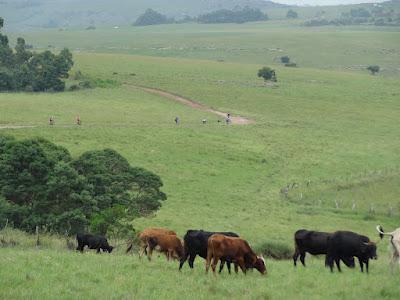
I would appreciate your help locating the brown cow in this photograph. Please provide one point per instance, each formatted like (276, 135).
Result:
(234, 249)
(149, 233)
(170, 245)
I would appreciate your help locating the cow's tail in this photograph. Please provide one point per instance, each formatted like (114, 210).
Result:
(382, 233)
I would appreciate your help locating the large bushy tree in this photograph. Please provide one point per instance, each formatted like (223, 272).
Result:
(267, 73)
(246, 14)
(152, 17)
(21, 69)
(41, 185)
(291, 14)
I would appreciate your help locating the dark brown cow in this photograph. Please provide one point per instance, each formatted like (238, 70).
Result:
(234, 249)
(170, 245)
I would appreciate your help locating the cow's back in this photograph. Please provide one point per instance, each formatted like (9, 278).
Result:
(196, 241)
(314, 242)
(346, 243)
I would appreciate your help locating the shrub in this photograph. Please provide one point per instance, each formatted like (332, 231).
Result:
(275, 250)
(285, 59)
(267, 73)
(291, 65)
(373, 69)
(74, 87)
(86, 84)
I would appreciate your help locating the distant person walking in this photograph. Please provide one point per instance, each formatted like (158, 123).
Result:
(78, 120)
(228, 118)
(51, 121)
(177, 120)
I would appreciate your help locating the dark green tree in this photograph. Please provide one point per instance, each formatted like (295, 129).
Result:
(267, 74)
(374, 69)
(21, 69)
(41, 185)
(152, 17)
(291, 14)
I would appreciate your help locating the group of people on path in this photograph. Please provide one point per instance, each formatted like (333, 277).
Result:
(52, 120)
(228, 120)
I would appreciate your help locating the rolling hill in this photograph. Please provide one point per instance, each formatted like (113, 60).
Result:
(23, 14)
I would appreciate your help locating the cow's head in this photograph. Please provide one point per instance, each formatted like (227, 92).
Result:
(369, 249)
(260, 265)
(110, 249)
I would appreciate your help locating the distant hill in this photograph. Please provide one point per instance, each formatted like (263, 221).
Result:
(25, 14)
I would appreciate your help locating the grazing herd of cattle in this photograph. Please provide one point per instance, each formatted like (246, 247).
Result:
(229, 248)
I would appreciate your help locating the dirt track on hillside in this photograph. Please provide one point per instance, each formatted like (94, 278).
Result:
(238, 120)
(15, 126)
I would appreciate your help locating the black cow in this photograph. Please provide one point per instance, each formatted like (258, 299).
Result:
(196, 242)
(93, 242)
(315, 243)
(346, 244)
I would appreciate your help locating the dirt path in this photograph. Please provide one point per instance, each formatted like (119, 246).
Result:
(15, 126)
(234, 119)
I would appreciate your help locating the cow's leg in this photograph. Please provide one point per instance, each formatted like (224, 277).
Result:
(142, 249)
(236, 268)
(191, 260)
(302, 258)
(228, 265)
(214, 263)
(80, 247)
(183, 259)
(295, 256)
(367, 265)
(149, 253)
(208, 261)
(361, 264)
(337, 261)
(221, 266)
(329, 262)
(241, 264)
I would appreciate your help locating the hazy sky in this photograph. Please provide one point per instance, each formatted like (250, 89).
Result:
(326, 2)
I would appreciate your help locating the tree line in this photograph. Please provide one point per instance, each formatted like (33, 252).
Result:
(378, 15)
(242, 15)
(24, 70)
(41, 184)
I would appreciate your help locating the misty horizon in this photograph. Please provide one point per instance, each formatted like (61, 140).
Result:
(326, 2)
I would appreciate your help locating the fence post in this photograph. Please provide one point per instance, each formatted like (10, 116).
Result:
(37, 237)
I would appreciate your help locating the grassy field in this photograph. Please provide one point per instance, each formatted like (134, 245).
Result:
(339, 48)
(335, 130)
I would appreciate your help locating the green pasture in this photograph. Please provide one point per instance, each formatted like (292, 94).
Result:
(333, 129)
(332, 132)
(52, 274)
(329, 47)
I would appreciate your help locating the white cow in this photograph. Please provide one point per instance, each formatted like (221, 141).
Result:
(395, 241)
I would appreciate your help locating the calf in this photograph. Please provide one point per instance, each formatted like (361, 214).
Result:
(145, 235)
(170, 245)
(93, 242)
(395, 242)
(236, 249)
(315, 243)
(349, 244)
(196, 243)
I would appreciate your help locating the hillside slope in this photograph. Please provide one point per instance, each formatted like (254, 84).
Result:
(22, 14)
